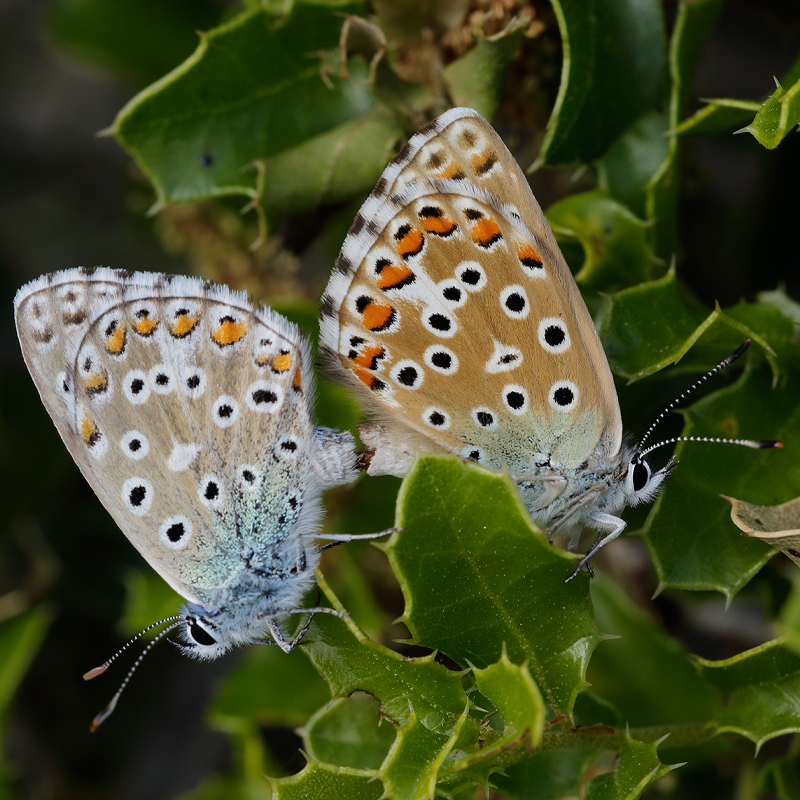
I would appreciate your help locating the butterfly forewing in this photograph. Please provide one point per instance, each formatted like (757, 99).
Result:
(455, 310)
(183, 407)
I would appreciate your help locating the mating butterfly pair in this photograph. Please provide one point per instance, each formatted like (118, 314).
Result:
(450, 311)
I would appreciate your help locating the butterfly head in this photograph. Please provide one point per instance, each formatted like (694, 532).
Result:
(640, 483)
(202, 638)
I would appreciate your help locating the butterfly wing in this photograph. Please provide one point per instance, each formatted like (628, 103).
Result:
(454, 313)
(185, 408)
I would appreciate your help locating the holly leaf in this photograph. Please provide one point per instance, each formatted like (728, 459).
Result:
(256, 86)
(762, 689)
(492, 580)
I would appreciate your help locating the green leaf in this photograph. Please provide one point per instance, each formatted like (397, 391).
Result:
(412, 766)
(253, 88)
(632, 161)
(779, 114)
(717, 116)
(349, 733)
(549, 775)
(612, 73)
(693, 543)
(517, 699)
(762, 687)
(638, 767)
(492, 579)
(350, 662)
(332, 166)
(647, 676)
(647, 327)
(111, 34)
(268, 687)
(478, 78)
(614, 241)
(318, 780)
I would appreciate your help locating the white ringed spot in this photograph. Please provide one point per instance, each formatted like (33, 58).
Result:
(408, 374)
(63, 384)
(472, 453)
(436, 418)
(136, 387)
(135, 445)
(452, 292)
(161, 379)
(439, 323)
(472, 275)
(248, 477)
(484, 418)
(287, 447)
(442, 359)
(193, 382)
(553, 335)
(503, 358)
(514, 302)
(264, 397)
(137, 494)
(210, 491)
(225, 411)
(563, 396)
(175, 532)
(515, 398)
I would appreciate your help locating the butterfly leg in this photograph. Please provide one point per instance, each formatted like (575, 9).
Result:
(608, 522)
(341, 538)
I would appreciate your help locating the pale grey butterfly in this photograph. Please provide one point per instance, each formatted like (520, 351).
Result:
(452, 313)
(188, 410)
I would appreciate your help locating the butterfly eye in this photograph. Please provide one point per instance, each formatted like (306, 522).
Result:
(201, 635)
(640, 476)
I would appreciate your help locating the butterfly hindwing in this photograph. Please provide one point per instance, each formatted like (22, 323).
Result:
(453, 312)
(185, 408)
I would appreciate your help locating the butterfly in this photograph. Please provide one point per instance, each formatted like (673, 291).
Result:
(451, 312)
(188, 411)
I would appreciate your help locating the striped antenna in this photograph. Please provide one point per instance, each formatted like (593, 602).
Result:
(93, 673)
(758, 444)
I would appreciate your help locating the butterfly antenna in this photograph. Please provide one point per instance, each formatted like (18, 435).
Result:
(93, 673)
(108, 710)
(759, 444)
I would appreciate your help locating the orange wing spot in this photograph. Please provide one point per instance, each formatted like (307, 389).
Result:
(370, 380)
(90, 433)
(184, 324)
(410, 243)
(96, 382)
(144, 325)
(393, 277)
(377, 316)
(282, 363)
(452, 172)
(440, 226)
(262, 361)
(297, 380)
(368, 356)
(115, 344)
(529, 256)
(485, 232)
(229, 332)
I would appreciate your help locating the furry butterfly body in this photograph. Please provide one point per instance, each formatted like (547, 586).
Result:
(453, 315)
(188, 410)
